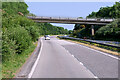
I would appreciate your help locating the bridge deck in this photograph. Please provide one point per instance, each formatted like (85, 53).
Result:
(72, 20)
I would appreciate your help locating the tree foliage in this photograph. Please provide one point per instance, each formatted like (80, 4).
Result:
(18, 32)
(15, 7)
(107, 12)
(109, 32)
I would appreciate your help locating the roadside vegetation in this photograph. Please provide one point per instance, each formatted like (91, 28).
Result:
(19, 36)
(109, 32)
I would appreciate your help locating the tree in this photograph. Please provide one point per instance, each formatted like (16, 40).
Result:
(92, 15)
(107, 12)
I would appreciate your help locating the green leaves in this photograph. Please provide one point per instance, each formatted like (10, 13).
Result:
(47, 28)
(107, 12)
(110, 31)
(16, 39)
(12, 8)
(33, 31)
(8, 47)
(18, 35)
(19, 32)
(21, 36)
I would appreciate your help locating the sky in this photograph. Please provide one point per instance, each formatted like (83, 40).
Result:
(65, 9)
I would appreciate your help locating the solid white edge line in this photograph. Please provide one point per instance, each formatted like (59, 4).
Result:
(93, 50)
(36, 62)
(99, 51)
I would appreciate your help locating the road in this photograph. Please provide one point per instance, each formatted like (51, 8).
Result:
(63, 59)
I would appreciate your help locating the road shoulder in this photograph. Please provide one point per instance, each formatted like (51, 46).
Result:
(96, 48)
(24, 71)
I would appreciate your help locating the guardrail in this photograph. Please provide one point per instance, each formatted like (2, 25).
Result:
(91, 41)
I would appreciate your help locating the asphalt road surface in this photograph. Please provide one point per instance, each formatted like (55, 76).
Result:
(63, 59)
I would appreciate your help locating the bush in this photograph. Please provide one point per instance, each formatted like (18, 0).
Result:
(8, 47)
(21, 37)
(110, 31)
(15, 7)
(33, 31)
(19, 31)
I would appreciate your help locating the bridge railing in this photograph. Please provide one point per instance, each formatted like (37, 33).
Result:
(70, 18)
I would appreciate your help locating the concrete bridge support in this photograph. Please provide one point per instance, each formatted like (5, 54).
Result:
(92, 28)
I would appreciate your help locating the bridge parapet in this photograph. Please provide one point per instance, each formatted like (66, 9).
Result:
(67, 20)
(70, 18)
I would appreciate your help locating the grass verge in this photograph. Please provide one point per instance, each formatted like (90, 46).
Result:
(99, 47)
(9, 68)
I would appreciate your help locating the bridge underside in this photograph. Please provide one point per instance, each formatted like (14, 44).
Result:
(91, 22)
(70, 22)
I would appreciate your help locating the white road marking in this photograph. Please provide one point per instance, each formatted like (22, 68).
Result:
(36, 62)
(99, 52)
(96, 51)
(82, 64)
(86, 68)
(95, 77)
(64, 42)
(72, 55)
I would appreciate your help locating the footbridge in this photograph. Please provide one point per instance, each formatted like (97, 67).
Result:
(95, 21)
